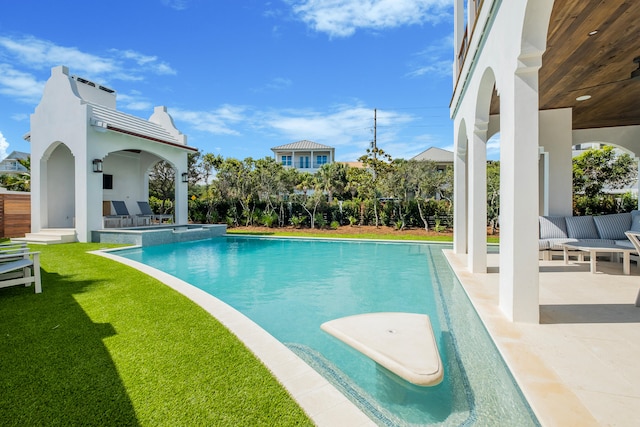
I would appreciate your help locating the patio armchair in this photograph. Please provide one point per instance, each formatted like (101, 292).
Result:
(20, 268)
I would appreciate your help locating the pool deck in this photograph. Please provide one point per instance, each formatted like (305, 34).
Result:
(579, 366)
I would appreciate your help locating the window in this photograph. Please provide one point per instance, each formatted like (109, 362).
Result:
(321, 160)
(107, 182)
(286, 160)
(304, 162)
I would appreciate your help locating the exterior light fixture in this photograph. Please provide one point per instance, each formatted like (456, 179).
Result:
(97, 165)
(185, 177)
(583, 97)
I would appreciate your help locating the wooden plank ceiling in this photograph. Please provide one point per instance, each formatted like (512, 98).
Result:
(578, 63)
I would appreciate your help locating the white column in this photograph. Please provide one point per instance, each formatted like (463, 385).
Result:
(181, 204)
(543, 181)
(477, 213)
(519, 293)
(557, 137)
(459, 192)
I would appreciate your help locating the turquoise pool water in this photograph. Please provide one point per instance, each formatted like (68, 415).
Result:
(291, 286)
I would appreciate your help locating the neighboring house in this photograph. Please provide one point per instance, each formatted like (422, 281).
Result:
(442, 158)
(11, 165)
(306, 156)
(358, 165)
(85, 154)
(547, 75)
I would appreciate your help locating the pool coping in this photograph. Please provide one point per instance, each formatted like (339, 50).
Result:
(321, 401)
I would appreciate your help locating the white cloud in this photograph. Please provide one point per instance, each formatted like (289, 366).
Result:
(217, 122)
(24, 58)
(341, 18)
(176, 4)
(22, 86)
(434, 60)
(349, 127)
(134, 101)
(278, 84)
(3, 147)
(42, 54)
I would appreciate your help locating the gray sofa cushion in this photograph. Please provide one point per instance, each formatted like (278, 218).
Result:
(613, 226)
(635, 222)
(581, 227)
(552, 227)
(556, 244)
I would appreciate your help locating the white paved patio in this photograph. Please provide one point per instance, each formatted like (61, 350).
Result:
(579, 366)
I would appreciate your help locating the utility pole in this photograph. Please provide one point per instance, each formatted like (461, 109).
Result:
(375, 146)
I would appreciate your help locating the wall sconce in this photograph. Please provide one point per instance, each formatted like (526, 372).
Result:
(97, 165)
(185, 177)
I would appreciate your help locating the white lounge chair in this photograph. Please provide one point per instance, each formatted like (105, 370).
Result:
(20, 268)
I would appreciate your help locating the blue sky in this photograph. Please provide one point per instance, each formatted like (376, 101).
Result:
(242, 76)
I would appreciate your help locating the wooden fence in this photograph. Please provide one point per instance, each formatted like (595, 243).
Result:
(15, 214)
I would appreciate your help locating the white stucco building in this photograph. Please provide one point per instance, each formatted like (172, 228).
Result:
(78, 138)
(547, 75)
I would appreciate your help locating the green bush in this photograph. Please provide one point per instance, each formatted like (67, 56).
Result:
(334, 225)
(269, 219)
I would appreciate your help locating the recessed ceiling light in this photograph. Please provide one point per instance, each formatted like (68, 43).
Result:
(593, 33)
(583, 97)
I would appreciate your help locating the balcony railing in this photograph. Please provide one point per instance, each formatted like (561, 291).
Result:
(464, 43)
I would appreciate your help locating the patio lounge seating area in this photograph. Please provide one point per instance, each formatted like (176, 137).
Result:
(556, 231)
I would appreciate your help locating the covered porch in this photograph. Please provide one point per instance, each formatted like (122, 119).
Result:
(545, 75)
(91, 162)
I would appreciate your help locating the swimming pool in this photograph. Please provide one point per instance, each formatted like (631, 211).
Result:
(291, 286)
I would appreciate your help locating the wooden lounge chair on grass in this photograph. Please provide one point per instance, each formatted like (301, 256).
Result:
(20, 268)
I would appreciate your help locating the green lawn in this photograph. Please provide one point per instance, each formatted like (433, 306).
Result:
(107, 345)
(347, 233)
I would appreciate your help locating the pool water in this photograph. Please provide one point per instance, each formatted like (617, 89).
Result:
(291, 286)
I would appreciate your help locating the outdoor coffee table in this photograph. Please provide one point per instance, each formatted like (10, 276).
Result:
(594, 248)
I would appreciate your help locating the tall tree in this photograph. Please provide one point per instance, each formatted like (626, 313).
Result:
(493, 194)
(380, 165)
(332, 178)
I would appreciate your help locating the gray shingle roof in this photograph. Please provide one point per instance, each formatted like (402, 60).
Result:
(303, 145)
(435, 154)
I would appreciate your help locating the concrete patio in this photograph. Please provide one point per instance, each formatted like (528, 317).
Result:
(579, 366)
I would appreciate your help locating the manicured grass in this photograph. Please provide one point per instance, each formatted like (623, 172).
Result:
(347, 233)
(107, 345)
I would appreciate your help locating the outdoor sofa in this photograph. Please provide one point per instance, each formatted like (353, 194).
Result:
(607, 229)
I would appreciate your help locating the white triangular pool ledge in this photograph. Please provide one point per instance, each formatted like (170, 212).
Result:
(403, 343)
